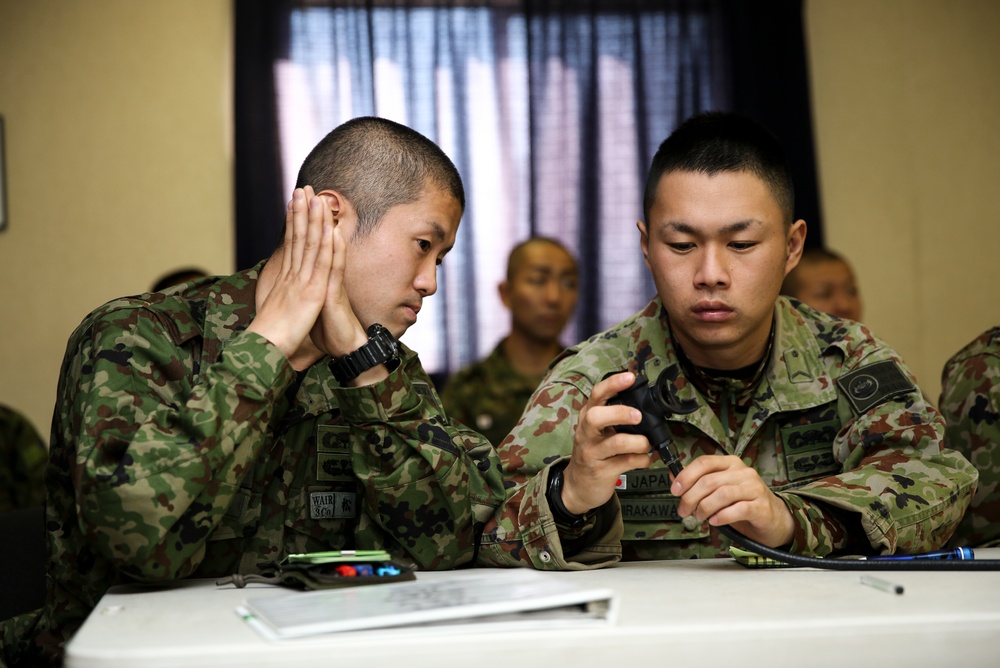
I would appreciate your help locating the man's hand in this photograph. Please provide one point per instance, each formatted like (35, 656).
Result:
(600, 454)
(338, 331)
(298, 293)
(724, 490)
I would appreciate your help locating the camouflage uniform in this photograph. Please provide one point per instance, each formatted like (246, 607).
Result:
(489, 395)
(24, 455)
(185, 446)
(862, 472)
(970, 403)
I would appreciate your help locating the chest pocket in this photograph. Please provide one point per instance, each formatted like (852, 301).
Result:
(649, 510)
(807, 445)
(322, 509)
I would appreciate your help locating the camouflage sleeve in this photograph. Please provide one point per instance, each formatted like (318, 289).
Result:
(523, 531)
(429, 485)
(157, 459)
(900, 488)
(970, 403)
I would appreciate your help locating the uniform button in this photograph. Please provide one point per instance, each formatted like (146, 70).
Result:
(545, 556)
(691, 522)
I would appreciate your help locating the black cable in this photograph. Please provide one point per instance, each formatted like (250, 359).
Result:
(836, 564)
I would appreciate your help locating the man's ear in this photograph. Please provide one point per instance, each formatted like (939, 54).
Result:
(795, 243)
(503, 289)
(334, 200)
(644, 241)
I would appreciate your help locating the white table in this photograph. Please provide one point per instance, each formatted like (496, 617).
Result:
(672, 613)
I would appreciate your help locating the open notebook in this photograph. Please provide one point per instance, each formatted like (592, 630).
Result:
(461, 601)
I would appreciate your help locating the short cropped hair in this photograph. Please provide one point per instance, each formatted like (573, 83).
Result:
(378, 164)
(714, 142)
(516, 257)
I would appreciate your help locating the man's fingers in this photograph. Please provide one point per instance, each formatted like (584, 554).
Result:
(611, 386)
(318, 214)
(300, 224)
(597, 417)
(617, 444)
(698, 468)
(286, 247)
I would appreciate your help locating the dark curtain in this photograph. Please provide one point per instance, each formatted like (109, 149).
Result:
(770, 82)
(261, 36)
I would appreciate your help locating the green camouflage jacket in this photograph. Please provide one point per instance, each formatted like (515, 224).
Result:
(489, 395)
(970, 403)
(185, 446)
(23, 462)
(835, 426)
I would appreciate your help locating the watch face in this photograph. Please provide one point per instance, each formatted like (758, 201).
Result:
(386, 343)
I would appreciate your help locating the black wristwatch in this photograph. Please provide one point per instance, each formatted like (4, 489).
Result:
(553, 494)
(382, 348)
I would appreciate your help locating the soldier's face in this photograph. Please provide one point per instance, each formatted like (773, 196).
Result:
(390, 271)
(829, 286)
(542, 292)
(718, 250)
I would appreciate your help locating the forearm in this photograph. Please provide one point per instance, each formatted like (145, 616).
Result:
(158, 461)
(523, 532)
(428, 486)
(905, 495)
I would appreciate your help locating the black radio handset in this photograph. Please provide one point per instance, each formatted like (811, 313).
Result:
(656, 404)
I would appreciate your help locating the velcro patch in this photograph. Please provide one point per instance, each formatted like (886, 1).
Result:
(239, 505)
(659, 509)
(332, 505)
(811, 464)
(333, 468)
(333, 438)
(333, 456)
(809, 436)
(656, 480)
(871, 385)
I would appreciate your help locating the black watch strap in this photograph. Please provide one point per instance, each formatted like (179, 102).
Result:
(553, 494)
(381, 348)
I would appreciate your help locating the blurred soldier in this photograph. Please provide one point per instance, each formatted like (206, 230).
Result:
(22, 483)
(540, 292)
(970, 403)
(823, 279)
(800, 430)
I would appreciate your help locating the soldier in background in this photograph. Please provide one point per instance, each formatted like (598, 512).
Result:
(540, 292)
(823, 279)
(216, 429)
(799, 429)
(22, 483)
(970, 403)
